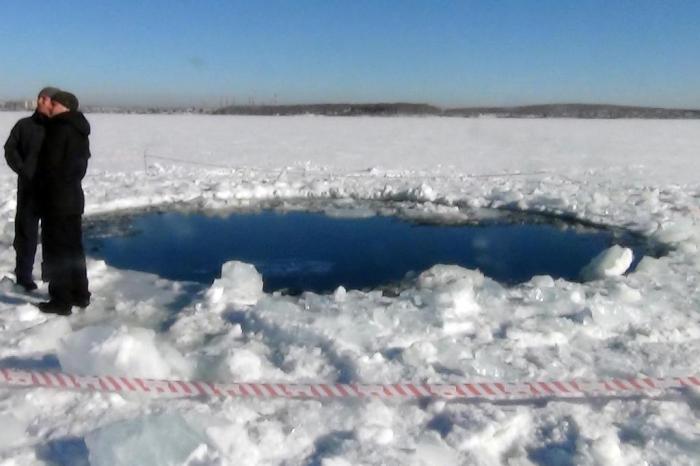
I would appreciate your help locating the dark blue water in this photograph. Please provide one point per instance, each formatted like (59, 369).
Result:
(311, 251)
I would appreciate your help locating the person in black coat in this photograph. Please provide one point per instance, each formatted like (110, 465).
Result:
(62, 164)
(22, 155)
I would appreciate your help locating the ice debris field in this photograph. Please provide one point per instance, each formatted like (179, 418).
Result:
(450, 325)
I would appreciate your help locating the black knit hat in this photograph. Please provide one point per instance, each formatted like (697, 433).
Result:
(66, 99)
(49, 92)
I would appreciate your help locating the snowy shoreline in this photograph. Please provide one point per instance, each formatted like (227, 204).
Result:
(452, 325)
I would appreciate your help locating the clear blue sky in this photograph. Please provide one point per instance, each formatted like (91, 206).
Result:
(450, 53)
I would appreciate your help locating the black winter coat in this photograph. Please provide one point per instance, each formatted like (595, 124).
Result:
(22, 149)
(62, 164)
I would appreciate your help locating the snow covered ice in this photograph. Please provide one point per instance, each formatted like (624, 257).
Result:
(448, 325)
(103, 350)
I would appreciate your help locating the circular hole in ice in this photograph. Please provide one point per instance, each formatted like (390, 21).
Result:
(317, 247)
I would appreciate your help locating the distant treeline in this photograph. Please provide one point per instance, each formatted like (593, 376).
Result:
(529, 111)
(332, 109)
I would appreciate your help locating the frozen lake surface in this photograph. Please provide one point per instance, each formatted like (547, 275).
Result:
(449, 324)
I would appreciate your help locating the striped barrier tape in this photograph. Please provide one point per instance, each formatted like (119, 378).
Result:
(474, 390)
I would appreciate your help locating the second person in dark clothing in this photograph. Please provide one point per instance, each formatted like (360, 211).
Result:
(62, 166)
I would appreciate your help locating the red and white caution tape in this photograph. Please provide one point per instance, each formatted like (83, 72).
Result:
(474, 390)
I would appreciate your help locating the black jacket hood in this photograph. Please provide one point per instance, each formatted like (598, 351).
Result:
(75, 119)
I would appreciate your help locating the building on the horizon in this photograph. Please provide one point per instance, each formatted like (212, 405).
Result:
(18, 105)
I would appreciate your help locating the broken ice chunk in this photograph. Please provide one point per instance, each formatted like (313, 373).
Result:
(612, 262)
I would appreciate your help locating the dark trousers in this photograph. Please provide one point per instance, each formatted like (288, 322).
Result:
(64, 258)
(26, 236)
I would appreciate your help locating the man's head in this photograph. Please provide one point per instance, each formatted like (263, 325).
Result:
(64, 101)
(44, 103)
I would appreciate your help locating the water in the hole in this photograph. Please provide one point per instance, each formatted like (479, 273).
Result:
(298, 251)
